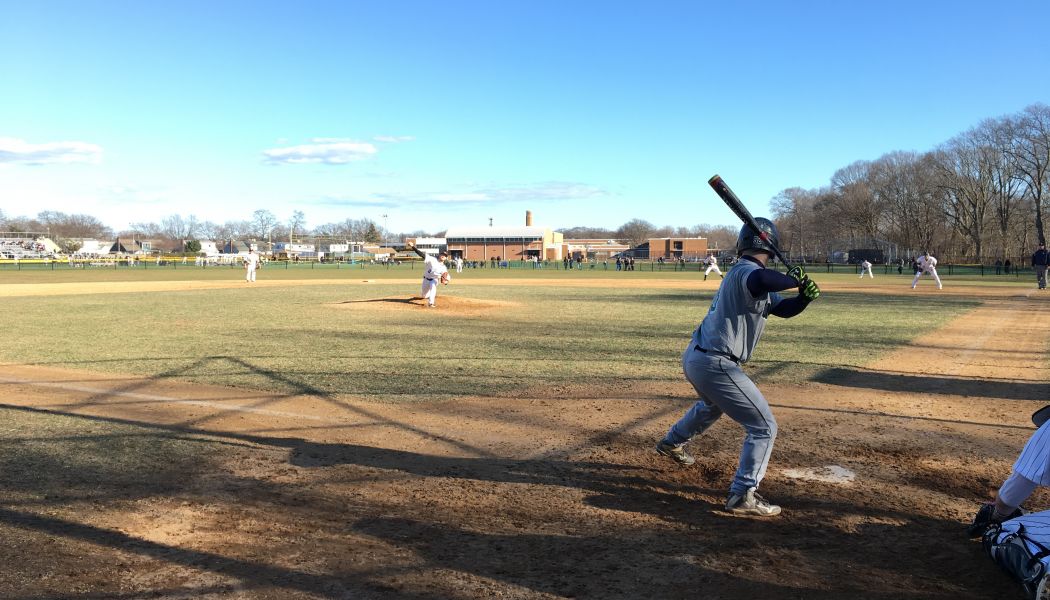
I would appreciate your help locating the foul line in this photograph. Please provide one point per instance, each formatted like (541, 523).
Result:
(168, 399)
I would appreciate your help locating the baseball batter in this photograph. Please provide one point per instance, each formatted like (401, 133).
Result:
(865, 267)
(927, 266)
(251, 263)
(434, 272)
(712, 363)
(712, 265)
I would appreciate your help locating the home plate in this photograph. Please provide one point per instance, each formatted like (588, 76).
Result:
(828, 474)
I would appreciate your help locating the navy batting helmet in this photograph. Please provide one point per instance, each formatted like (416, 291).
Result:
(749, 240)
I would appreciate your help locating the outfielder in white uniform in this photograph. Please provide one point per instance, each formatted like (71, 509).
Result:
(712, 265)
(251, 263)
(865, 267)
(434, 272)
(927, 266)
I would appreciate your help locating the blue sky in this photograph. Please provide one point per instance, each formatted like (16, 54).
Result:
(442, 114)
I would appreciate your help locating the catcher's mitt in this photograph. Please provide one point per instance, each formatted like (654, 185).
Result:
(1041, 416)
(985, 518)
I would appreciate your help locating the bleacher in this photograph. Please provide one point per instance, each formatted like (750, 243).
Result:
(25, 246)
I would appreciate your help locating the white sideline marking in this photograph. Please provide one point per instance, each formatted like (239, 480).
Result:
(153, 398)
(828, 474)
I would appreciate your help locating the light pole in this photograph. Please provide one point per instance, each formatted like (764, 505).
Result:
(385, 232)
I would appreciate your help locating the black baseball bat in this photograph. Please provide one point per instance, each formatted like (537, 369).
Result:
(738, 208)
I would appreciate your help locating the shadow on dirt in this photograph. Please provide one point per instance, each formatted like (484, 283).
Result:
(925, 384)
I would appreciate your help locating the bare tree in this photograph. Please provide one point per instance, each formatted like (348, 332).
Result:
(861, 213)
(296, 223)
(1006, 184)
(793, 211)
(964, 167)
(262, 224)
(232, 230)
(63, 226)
(635, 231)
(582, 233)
(1030, 152)
(175, 227)
(146, 230)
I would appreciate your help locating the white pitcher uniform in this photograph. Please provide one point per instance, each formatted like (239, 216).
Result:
(251, 262)
(433, 269)
(927, 266)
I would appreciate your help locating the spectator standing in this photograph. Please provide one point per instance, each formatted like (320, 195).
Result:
(1040, 261)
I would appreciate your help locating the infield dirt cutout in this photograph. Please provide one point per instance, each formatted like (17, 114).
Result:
(548, 494)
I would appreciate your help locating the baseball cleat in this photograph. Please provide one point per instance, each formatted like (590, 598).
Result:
(675, 453)
(750, 503)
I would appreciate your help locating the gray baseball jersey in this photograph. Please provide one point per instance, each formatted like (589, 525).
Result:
(735, 321)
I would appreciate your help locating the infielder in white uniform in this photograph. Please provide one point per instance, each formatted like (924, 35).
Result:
(251, 263)
(434, 272)
(927, 266)
(712, 265)
(865, 267)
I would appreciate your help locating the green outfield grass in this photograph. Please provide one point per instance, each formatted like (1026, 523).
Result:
(302, 338)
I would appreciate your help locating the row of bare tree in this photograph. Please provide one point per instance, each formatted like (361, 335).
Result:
(264, 225)
(979, 196)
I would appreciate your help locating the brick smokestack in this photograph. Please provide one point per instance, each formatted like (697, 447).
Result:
(528, 218)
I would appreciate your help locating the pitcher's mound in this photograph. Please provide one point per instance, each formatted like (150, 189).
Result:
(445, 305)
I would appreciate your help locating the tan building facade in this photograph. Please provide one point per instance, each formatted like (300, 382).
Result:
(673, 248)
(508, 243)
(597, 248)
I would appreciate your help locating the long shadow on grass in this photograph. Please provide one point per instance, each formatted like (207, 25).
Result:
(924, 384)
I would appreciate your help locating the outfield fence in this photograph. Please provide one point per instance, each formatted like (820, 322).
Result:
(179, 262)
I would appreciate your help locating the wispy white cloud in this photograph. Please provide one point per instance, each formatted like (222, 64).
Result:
(16, 151)
(541, 192)
(393, 139)
(329, 151)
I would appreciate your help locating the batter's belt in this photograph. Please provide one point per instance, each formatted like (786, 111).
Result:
(718, 353)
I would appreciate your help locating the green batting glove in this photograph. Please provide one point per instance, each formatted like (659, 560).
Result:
(797, 273)
(808, 288)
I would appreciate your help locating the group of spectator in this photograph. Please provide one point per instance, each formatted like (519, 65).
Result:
(23, 248)
(625, 263)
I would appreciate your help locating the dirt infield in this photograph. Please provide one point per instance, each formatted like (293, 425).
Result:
(546, 496)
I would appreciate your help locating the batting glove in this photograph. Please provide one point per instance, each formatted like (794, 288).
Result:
(809, 290)
(797, 273)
